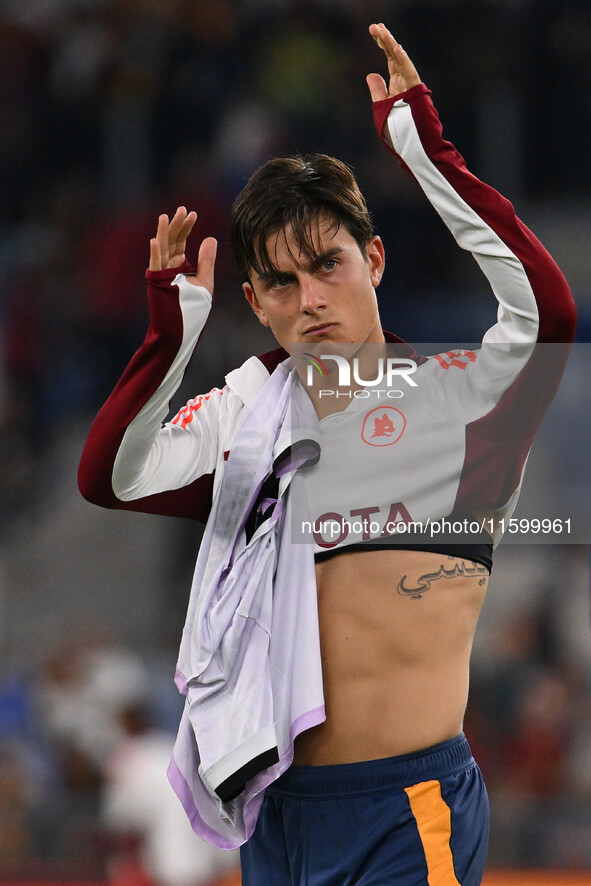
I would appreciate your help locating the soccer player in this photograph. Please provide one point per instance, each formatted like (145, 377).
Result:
(326, 682)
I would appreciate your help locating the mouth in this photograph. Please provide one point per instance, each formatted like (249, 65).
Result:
(317, 331)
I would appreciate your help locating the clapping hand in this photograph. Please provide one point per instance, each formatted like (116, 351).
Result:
(167, 248)
(402, 73)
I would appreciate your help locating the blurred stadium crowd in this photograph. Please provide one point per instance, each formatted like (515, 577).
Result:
(116, 110)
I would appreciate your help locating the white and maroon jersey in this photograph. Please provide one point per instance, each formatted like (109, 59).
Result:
(456, 443)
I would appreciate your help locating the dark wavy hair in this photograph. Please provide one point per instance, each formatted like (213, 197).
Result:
(296, 193)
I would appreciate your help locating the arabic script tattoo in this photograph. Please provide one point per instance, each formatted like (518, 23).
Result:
(459, 568)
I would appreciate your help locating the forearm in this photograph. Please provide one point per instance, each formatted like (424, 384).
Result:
(128, 456)
(534, 299)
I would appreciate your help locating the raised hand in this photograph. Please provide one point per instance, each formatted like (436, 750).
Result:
(167, 248)
(402, 73)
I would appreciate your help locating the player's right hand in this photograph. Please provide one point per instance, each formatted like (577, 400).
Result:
(167, 248)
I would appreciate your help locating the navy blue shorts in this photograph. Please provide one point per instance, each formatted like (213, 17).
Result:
(414, 820)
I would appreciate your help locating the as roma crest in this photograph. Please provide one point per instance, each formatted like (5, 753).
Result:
(383, 426)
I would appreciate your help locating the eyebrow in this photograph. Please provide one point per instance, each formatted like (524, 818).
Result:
(312, 265)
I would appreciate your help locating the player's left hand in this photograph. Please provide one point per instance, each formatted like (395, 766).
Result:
(402, 73)
(167, 248)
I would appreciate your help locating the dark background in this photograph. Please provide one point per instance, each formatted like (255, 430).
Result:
(113, 111)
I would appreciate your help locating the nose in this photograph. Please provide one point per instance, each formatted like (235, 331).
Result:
(312, 297)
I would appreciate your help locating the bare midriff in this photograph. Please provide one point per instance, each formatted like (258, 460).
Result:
(396, 632)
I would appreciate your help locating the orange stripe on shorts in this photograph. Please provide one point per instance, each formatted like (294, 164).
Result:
(433, 819)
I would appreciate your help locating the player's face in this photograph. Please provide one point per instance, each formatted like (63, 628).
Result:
(331, 298)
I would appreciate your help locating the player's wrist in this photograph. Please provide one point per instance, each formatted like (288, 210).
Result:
(170, 273)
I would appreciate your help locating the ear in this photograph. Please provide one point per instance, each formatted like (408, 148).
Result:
(376, 257)
(253, 301)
